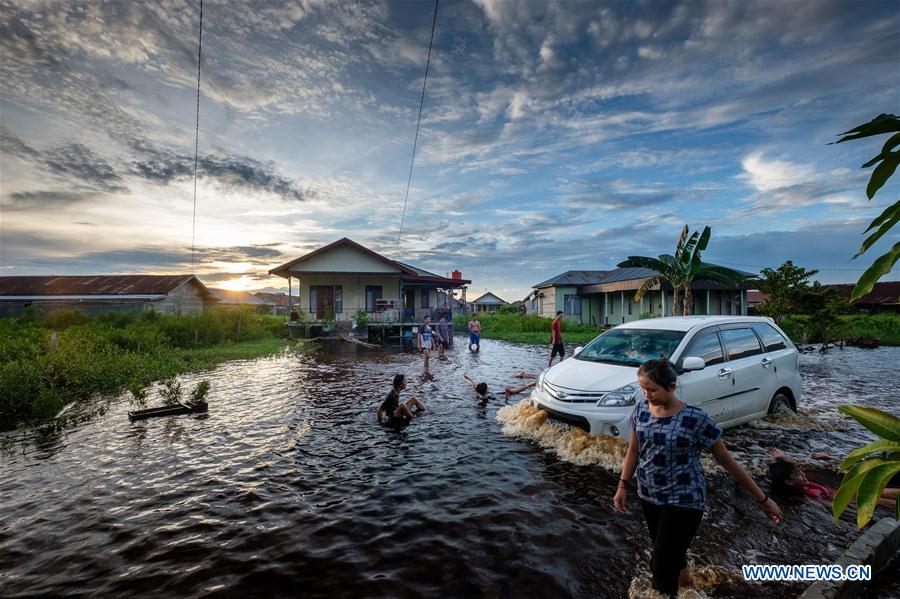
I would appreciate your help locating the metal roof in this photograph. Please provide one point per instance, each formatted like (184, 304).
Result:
(628, 274)
(226, 296)
(94, 285)
(574, 277)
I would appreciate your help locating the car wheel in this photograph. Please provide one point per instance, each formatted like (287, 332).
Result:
(780, 404)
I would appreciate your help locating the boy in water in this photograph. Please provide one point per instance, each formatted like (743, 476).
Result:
(481, 389)
(556, 339)
(399, 412)
(443, 333)
(474, 334)
(426, 340)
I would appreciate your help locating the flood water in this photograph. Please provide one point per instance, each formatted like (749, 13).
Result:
(290, 487)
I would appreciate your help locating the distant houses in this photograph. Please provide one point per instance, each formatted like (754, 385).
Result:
(170, 294)
(488, 304)
(600, 298)
(227, 298)
(340, 279)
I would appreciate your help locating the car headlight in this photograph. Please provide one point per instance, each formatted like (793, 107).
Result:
(540, 383)
(623, 396)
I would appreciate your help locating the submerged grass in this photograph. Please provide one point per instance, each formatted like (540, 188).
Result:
(519, 328)
(46, 363)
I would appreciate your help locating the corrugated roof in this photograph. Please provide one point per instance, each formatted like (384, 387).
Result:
(628, 274)
(574, 277)
(885, 293)
(94, 285)
(226, 296)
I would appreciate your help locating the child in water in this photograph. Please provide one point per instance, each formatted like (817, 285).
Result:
(664, 450)
(481, 389)
(789, 479)
(398, 412)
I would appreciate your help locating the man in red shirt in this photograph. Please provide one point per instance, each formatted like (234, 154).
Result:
(556, 339)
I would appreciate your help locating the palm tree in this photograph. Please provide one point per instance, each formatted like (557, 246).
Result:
(681, 269)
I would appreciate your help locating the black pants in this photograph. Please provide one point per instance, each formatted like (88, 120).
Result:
(672, 529)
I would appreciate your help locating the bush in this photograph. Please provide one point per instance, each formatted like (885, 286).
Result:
(59, 320)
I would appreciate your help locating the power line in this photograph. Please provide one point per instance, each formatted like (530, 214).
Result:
(418, 122)
(197, 138)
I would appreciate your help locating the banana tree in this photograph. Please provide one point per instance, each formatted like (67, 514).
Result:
(869, 468)
(887, 160)
(681, 269)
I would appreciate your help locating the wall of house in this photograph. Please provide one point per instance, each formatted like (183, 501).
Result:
(344, 259)
(353, 291)
(187, 299)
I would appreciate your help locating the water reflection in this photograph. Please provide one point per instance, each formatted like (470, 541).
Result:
(289, 483)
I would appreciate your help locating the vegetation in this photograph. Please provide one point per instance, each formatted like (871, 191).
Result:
(520, 328)
(869, 468)
(803, 328)
(48, 362)
(783, 287)
(888, 158)
(681, 269)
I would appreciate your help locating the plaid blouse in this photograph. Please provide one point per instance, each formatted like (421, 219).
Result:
(668, 468)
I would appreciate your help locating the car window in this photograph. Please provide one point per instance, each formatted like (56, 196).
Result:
(631, 347)
(706, 345)
(740, 343)
(771, 338)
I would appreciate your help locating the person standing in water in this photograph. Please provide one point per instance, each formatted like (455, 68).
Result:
(556, 339)
(664, 450)
(474, 334)
(426, 340)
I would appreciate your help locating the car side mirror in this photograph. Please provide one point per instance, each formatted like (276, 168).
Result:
(578, 350)
(692, 363)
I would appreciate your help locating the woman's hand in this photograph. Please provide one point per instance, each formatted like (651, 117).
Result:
(619, 499)
(771, 509)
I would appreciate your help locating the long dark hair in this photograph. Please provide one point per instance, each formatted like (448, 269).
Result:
(780, 471)
(660, 371)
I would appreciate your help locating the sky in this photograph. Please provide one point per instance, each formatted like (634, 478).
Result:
(554, 136)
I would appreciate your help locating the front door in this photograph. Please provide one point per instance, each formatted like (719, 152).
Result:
(324, 303)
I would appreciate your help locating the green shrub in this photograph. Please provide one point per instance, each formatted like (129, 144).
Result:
(59, 320)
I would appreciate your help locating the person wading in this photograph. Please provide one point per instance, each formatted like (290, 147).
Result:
(664, 450)
(556, 339)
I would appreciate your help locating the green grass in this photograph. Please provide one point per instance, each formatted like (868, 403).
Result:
(107, 353)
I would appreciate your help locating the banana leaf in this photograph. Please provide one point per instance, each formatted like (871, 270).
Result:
(886, 426)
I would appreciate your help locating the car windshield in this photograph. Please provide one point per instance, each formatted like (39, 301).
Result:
(631, 347)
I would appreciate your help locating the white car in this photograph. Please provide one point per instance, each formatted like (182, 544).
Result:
(737, 368)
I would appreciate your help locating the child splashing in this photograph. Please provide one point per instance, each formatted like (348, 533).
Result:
(665, 452)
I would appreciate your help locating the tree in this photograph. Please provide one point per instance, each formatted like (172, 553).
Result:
(889, 159)
(681, 269)
(783, 288)
(824, 305)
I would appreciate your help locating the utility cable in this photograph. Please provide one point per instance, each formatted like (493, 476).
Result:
(197, 139)
(418, 122)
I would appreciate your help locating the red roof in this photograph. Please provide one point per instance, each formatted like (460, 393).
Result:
(886, 293)
(94, 285)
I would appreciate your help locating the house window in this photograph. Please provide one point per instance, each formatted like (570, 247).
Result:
(572, 305)
(338, 299)
(424, 298)
(630, 304)
(373, 294)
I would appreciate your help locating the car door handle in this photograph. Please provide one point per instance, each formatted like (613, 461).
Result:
(766, 361)
(724, 373)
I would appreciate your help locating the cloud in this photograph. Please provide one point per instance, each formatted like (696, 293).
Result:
(66, 162)
(26, 200)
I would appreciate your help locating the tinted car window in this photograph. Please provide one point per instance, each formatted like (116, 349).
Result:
(772, 339)
(706, 345)
(740, 343)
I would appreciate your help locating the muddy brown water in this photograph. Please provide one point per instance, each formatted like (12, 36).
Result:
(289, 487)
